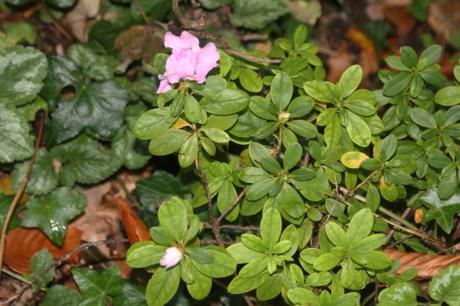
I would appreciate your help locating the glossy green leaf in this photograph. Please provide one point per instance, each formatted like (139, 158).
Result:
(162, 286)
(144, 254)
(445, 286)
(223, 264)
(358, 130)
(422, 118)
(397, 84)
(21, 75)
(398, 294)
(173, 217)
(53, 212)
(350, 80)
(281, 90)
(448, 96)
(168, 142)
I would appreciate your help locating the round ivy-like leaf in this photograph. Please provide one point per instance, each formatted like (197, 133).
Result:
(22, 71)
(52, 213)
(445, 287)
(98, 106)
(16, 142)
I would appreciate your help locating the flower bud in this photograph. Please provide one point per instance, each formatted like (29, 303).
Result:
(171, 257)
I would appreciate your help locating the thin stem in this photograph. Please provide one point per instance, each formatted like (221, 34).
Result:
(232, 206)
(21, 189)
(367, 179)
(212, 221)
(403, 216)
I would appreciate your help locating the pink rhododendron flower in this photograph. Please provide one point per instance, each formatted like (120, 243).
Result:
(171, 257)
(187, 61)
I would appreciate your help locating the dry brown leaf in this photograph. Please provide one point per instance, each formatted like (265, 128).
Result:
(444, 18)
(338, 62)
(101, 218)
(5, 185)
(427, 265)
(134, 226)
(400, 18)
(140, 42)
(368, 55)
(22, 243)
(81, 17)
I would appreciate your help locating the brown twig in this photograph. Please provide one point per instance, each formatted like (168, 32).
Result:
(211, 219)
(232, 206)
(22, 187)
(362, 183)
(65, 258)
(403, 216)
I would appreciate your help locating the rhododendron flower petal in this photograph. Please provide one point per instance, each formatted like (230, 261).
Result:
(171, 257)
(164, 86)
(207, 60)
(184, 41)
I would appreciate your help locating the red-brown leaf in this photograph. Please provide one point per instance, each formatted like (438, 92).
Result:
(134, 226)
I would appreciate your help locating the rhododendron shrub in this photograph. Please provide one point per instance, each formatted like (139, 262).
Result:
(270, 184)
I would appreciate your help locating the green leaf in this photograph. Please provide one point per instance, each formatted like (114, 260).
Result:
(398, 294)
(52, 213)
(22, 71)
(388, 147)
(250, 80)
(291, 202)
(430, 56)
(303, 128)
(408, 56)
(132, 295)
(270, 226)
(223, 264)
(336, 234)
(168, 142)
(254, 243)
(300, 106)
(358, 130)
(216, 135)
(333, 132)
(61, 3)
(250, 277)
(84, 160)
(360, 225)
(326, 262)
(153, 123)
(188, 151)
(201, 286)
(173, 217)
(397, 84)
(44, 177)
(281, 90)
(20, 32)
(17, 143)
(292, 156)
(321, 91)
(373, 197)
(270, 288)
(448, 96)
(60, 294)
(350, 80)
(422, 118)
(256, 15)
(144, 254)
(396, 63)
(124, 148)
(360, 107)
(260, 189)
(5, 202)
(445, 286)
(226, 102)
(226, 196)
(162, 286)
(39, 265)
(98, 106)
(193, 111)
(442, 210)
(158, 187)
(302, 296)
(243, 254)
(94, 66)
(97, 288)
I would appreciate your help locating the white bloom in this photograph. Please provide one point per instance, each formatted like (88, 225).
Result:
(171, 257)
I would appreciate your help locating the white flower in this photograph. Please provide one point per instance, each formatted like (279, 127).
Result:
(171, 257)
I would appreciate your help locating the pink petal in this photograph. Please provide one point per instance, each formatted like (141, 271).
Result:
(184, 41)
(163, 87)
(172, 41)
(207, 60)
(189, 40)
(181, 65)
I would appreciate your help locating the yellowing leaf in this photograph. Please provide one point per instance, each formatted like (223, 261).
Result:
(180, 123)
(353, 159)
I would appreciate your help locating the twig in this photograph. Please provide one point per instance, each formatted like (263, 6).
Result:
(249, 228)
(212, 221)
(65, 258)
(363, 182)
(22, 188)
(56, 22)
(403, 216)
(232, 206)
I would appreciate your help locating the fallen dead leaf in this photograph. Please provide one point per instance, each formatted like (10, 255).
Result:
(81, 17)
(22, 243)
(444, 18)
(368, 55)
(140, 42)
(400, 18)
(134, 226)
(338, 62)
(427, 265)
